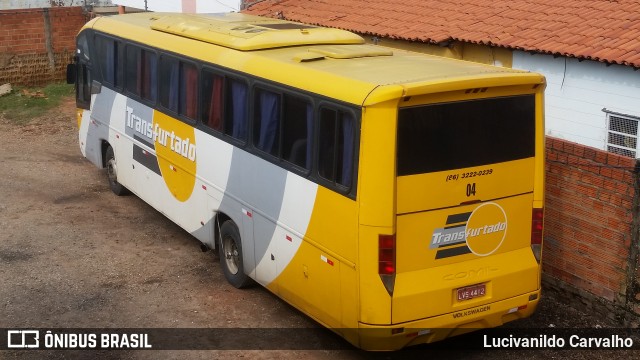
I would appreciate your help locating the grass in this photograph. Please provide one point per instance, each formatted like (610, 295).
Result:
(24, 104)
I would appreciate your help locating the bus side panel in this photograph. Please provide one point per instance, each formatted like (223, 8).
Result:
(377, 206)
(84, 118)
(311, 282)
(94, 127)
(320, 279)
(217, 154)
(152, 168)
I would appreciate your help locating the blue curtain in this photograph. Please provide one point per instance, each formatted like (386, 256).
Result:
(239, 109)
(348, 132)
(269, 119)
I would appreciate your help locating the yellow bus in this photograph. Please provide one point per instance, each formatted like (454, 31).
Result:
(394, 197)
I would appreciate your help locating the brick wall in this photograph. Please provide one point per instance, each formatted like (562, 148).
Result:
(25, 58)
(591, 223)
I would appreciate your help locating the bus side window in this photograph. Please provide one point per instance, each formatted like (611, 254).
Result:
(266, 132)
(83, 86)
(108, 56)
(131, 69)
(188, 105)
(169, 78)
(83, 75)
(212, 100)
(141, 72)
(236, 121)
(149, 78)
(297, 128)
(337, 140)
(179, 86)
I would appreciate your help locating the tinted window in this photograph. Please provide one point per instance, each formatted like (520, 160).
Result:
(179, 86)
(83, 75)
(236, 120)
(169, 79)
(465, 134)
(297, 130)
(283, 126)
(337, 144)
(212, 100)
(188, 90)
(141, 72)
(266, 122)
(109, 56)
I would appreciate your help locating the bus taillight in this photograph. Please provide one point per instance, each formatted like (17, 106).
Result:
(386, 254)
(537, 218)
(387, 261)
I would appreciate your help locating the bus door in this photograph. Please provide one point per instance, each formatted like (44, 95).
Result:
(465, 177)
(83, 73)
(80, 73)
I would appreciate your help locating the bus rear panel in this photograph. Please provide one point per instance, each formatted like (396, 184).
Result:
(463, 252)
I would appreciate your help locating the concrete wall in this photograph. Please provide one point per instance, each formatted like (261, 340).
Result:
(37, 44)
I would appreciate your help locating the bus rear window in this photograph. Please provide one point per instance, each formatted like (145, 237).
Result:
(464, 134)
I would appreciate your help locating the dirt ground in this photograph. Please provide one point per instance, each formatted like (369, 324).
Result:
(72, 254)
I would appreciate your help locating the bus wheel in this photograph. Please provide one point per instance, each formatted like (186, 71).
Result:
(112, 174)
(231, 255)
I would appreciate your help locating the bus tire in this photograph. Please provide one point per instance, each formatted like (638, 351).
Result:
(230, 249)
(112, 173)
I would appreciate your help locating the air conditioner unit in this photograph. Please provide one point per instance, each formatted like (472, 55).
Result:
(622, 134)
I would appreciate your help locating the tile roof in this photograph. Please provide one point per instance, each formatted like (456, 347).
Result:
(600, 30)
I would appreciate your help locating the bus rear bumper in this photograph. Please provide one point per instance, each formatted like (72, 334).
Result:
(394, 337)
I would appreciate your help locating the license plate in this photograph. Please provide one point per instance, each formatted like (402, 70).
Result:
(471, 292)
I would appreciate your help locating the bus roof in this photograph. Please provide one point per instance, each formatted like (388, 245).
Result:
(248, 32)
(331, 62)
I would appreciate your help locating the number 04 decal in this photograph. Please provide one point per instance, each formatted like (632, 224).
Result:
(471, 189)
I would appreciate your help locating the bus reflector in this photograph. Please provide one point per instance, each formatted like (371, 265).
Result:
(386, 254)
(537, 218)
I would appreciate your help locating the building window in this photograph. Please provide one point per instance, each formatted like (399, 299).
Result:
(622, 134)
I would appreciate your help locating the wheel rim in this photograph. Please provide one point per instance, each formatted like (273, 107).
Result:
(112, 171)
(231, 253)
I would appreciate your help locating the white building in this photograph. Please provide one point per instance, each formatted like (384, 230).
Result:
(589, 102)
